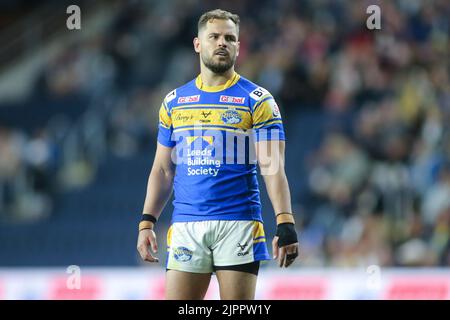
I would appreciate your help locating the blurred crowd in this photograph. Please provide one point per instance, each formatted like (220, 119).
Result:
(379, 188)
(379, 182)
(26, 170)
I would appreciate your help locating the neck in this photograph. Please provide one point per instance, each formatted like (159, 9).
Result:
(212, 79)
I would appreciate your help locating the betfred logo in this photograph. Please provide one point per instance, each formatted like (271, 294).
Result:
(189, 99)
(229, 99)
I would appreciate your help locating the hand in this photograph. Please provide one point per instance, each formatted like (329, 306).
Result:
(146, 239)
(286, 255)
(285, 245)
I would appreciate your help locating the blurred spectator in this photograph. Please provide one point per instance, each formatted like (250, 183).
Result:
(10, 158)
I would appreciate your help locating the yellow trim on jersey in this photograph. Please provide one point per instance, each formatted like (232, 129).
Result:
(237, 130)
(164, 103)
(264, 114)
(210, 106)
(258, 232)
(164, 118)
(261, 100)
(208, 139)
(199, 83)
(210, 117)
(169, 236)
(259, 240)
(267, 123)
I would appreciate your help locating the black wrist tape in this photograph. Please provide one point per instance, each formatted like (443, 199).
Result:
(286, 234)
(149, 217)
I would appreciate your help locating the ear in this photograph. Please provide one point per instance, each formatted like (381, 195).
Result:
(237, 48)
(196, 44)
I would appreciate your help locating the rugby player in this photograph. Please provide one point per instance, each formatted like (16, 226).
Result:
(216, 225)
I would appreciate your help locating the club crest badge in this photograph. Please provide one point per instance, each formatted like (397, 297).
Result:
(231, 117)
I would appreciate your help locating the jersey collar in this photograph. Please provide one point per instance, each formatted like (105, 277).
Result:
(199, 83)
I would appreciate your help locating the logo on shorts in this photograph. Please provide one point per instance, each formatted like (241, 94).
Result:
(242, 247)
(182, 254)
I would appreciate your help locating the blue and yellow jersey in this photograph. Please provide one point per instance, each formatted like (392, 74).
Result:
(213, 130)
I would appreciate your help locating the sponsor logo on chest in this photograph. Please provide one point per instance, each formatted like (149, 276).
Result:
(230, 99)
(231, 117)
(189, 99)
(183, 117)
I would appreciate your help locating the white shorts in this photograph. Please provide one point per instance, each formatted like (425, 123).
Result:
(198, 246)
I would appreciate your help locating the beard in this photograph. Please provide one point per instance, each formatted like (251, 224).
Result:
(218, 67)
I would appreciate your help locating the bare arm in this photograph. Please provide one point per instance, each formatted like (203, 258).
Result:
(271, 159)
(159, 189)
(160, 181)
(271, 163)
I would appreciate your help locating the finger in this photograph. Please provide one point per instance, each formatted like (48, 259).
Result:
(282, 256)
(151, 258)
(292, 248)
(275, 247)
(153, 243)
(145, 254)
(292, 253)
(142, 252)
(142, 244)
(289, 260)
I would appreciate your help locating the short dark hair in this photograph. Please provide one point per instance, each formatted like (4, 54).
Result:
(218, 14)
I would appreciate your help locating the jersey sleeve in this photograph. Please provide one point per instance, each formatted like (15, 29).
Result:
(165, 127)
(266, 116)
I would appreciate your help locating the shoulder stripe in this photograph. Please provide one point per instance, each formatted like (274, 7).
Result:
(271, 121)
(166, 107)
(163, 125)
(260, 102)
